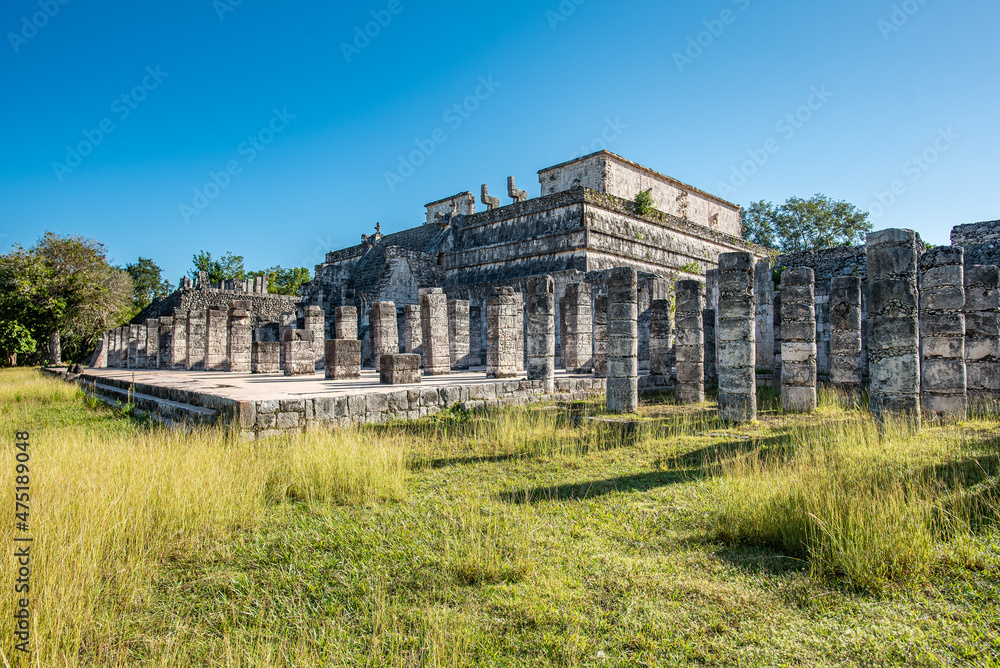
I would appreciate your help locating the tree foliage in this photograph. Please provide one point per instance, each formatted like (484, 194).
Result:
(64, 284)
(147, 283)
(285, 281)
(227, 268)
(801, 225)
(15, 339)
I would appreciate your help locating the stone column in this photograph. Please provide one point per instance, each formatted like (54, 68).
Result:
(942, 333)
(893, 335)
(399, 369)
(522, 328)
(99, 360)
(541, 340)
(265, 355)
(412, 334)
(196, 324)
(660, 335)
(711, 336)
(133, 346)
(623, 341)
(577, 323)
(845, 333)
(776, 382)
(798, 339)
(314, 320)
(113, 342)
(286, 322)
(737, 349)
(153, 343)
(763, 281)
(179, 352)
(345, 322)
(298, 347)
(140, 346)
(601, 336)
(434, 326)
(343, 359)
(216, 340)
(690, 322)
(476, 332)
(166, 342)
(503, 328)
(982, 333)
(239, 350)
(458, 333)
(643, 302)
(385, 334)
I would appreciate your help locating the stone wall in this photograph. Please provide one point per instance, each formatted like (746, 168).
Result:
(981, 242)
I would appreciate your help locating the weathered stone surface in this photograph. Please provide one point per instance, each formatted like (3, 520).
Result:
(314, 320)
(943, 377)
(689, 321)
(384, 331)
(458, 333)
(541, 326)
(982, 335)
(196, 334)
(798, 340)
(434, 328)
(400, 369)
(165, 342)
(601, 335)
(152, 343)
(763, 282)
(845, 333)
(179, 356)
(576, 328)
(412, 331)
(711, 341)
(265, 357)
(343, 359)
(477, 333)
(133, 346)
(893, 340)
(623, 341)
(503, 328)
(737, 332)
(99, 360)
(660, 338)
(216, 340)
(298, 347)
(239, 346)
(345, 323)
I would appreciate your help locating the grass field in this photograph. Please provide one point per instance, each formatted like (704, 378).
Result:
(517, 538)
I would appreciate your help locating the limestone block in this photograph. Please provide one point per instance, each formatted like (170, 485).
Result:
(266, 357)
(217, 340)
(541, 331)
(458, 334)
(165, 358)
(943, 371)
(576, 328)
(737, 338)
(690, 321)
(345, 323)
(434, 332)
(298, 348)
(179, 352)
(623, 358)
(343, 359)
(400, 369)
(152, 343)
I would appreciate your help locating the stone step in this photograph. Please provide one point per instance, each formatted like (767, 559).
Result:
(171, 413)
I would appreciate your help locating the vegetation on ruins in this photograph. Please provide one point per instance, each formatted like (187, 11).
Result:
(802, 225)
(529, 536)
(643, 204)
(229, 267)
(285, 281)
(147, 283)
(64, 292)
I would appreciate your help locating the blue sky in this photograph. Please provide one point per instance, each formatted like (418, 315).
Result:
(120, 115)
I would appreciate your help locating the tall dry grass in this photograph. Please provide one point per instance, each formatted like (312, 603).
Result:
(871, 504)
(112, 499)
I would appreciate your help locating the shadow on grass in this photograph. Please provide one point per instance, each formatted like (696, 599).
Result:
(756, 560)
(711, 455)
(639, 482)
(424, 463)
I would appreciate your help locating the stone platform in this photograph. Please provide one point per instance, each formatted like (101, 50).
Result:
(265, 405)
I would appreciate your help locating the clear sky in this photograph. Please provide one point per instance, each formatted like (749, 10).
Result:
(120, 118)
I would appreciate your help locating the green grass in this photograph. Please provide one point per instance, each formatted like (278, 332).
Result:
(524, 537)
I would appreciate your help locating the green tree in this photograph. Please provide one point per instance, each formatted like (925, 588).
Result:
(227, 268)
(147, 283)
(285, 281)
(15, 339)
(643, 204)
(801, 225)
(63, 290)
